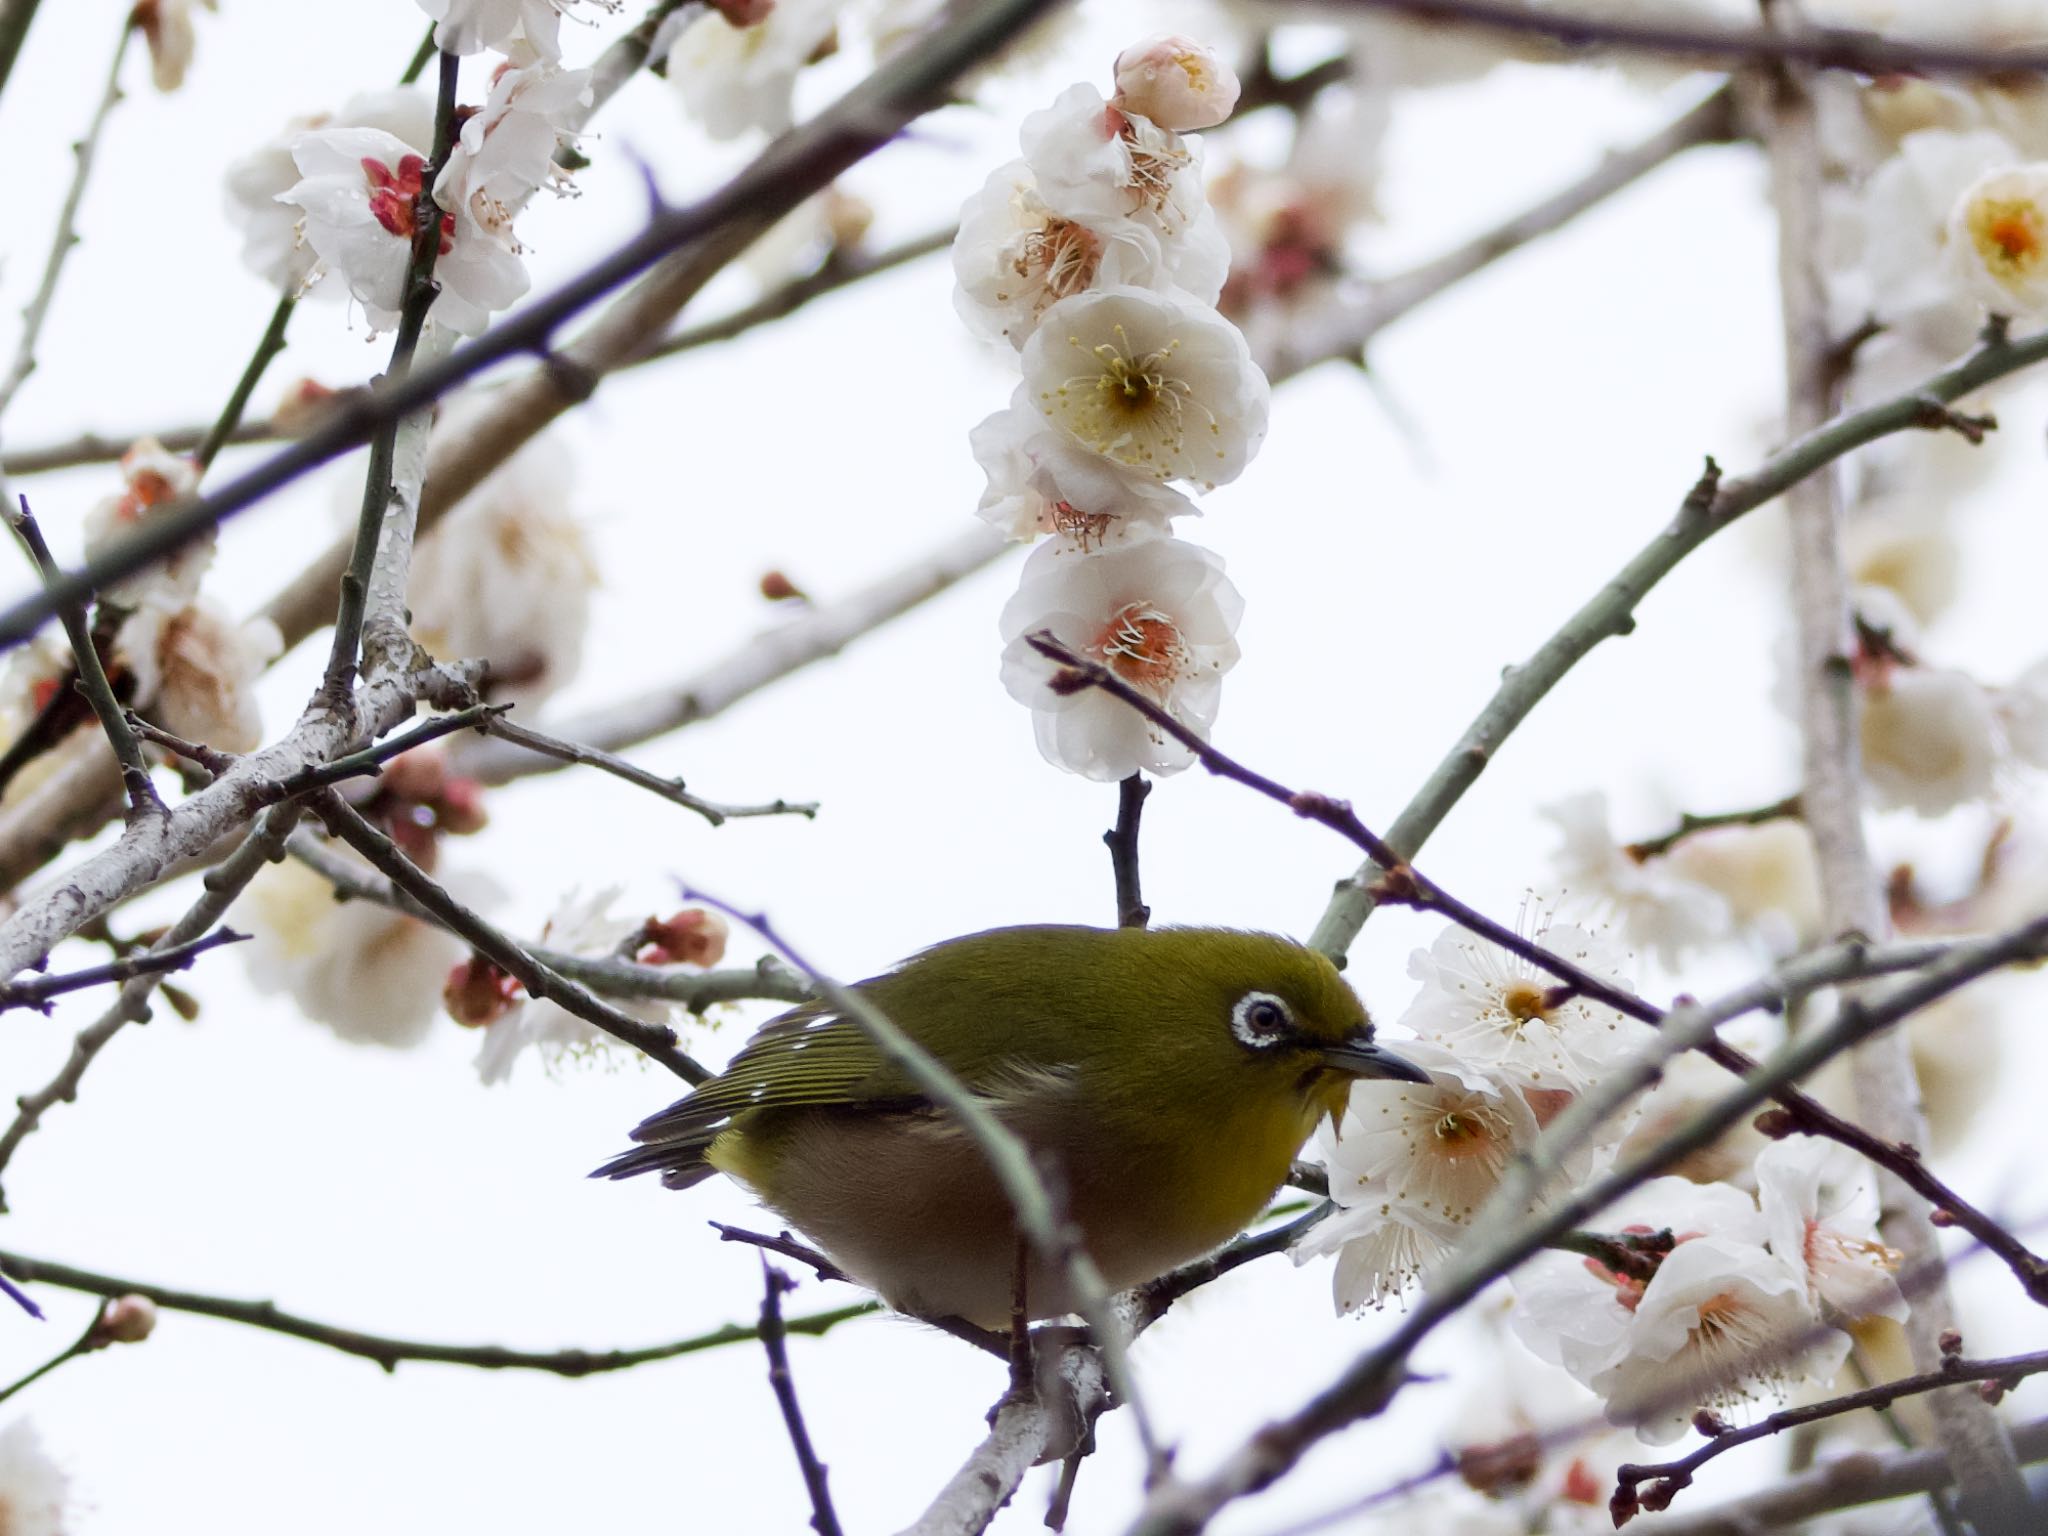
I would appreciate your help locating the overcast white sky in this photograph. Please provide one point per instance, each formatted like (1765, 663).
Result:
(1548, 415)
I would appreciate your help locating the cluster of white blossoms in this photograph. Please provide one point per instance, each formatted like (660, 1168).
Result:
(1097, 258)
(1720, 1289)
(339, 196)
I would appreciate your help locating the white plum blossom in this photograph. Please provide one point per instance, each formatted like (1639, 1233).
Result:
(582, 925)
(1159, 384)
(1425, 1156)
(506, 150)
(1499, 1012)
(1820, 1209)
(370, 974)
(470, 26)
(195, 671)
(153, 478)
(35, 1492)
(1014, 258)
(1930, 739)
(1158, 612)
(1094, 162)
(506, 577)
(272, 246)
(1041, 481)
(736, 78)
(358, 190)
(1998, 238)
(1718, 1323)
(1722, 1315)
(1178, 83)
(1658, 907)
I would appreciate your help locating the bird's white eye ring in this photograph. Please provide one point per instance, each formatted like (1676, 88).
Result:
(1260, 1020)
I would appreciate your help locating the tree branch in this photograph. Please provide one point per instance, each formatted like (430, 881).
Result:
(655, 1041)
(1863, 53)
(152, 962)
(390, 1353)
(669, 789)
(1122, 841)
(824, 1520)
(1994, 1494)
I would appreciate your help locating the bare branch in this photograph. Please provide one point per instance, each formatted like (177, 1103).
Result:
(824, 1520)
(671, 789)
(1863, 53)
(390, 1353)
(1688, 824)
(92, 676)
(1122, 840)
(152, 962)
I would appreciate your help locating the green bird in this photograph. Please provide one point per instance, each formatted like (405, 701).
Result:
(1168, 1076)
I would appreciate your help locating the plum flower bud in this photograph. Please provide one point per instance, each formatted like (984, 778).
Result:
(126, 1320)
(693, 936)
(1177, 82)
(1158, 612)
(1999, 235)
(166, 26)
(478, 993)
(1156, 383)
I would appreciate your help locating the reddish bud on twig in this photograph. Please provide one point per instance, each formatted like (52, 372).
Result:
(1503, 1467)
(778, 588)
(743, 13)
(1942, 1216)
(1951, 1341)
(1776, 1124)
(1624, 1506)
(1709, 1423)
(692, 936)
(124, 1320)
(1993, 1392)
(477, 992)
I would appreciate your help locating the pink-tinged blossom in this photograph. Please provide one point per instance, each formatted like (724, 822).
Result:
(506, 150)
(1178, 83)
(195, 672)
(1499, 1012)
(359, 192)
(582, 925)
(1041, 481)
(1820, 1208)
(272, 245)
(1158, 612)
(152, 479)
(1159, 384)
(1014, 258)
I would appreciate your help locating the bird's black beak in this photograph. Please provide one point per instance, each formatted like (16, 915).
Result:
(1360, 1057)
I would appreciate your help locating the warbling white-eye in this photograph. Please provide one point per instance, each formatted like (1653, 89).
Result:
(1168, 1075)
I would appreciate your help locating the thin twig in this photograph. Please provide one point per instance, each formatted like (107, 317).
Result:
(656, 1041)
(152, 962)
(221, 886)
(1039, 1217)
(1667, 1478)
(1122, 841)
(669, 789)
(389, 1352)
(371, 760)
(15, 16)
(84, 1344)
(1688, 823)
(226, 425)
(65, 236)
(785, 1245)
(868, 117)
(143, 802)
(1887, 1096)
(1863, 53)
(824, 1520)
(380, 494)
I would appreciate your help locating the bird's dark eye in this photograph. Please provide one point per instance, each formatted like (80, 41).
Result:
(1260, 1020)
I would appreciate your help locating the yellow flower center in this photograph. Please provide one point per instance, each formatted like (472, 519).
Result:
(1525, 1002)
(2010, 235)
